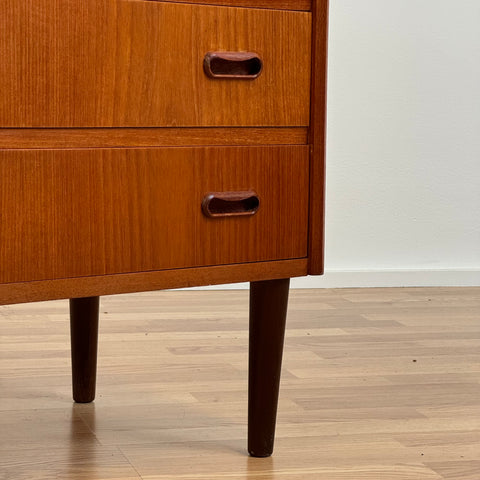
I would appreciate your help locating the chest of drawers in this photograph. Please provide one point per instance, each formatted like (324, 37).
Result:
(161, 144)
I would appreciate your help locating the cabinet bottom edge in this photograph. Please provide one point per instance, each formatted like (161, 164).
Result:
(42, 290)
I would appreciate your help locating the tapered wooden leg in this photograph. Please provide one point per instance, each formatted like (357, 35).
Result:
(268, 312)
(84, 340)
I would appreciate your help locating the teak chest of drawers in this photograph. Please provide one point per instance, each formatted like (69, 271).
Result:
(161, 144)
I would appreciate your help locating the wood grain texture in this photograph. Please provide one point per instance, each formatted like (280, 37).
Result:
(147, 137)
(11, 293)
(111, 63)
(71, 213)
(317, 138)
(172, 388)
(272, 4)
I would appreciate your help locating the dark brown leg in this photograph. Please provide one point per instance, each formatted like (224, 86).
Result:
(268, 312)
(84, 339)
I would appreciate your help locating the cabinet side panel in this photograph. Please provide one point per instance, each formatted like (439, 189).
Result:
(317, 138)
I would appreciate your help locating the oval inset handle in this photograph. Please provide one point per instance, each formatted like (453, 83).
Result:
(230, 204)
(241, 65)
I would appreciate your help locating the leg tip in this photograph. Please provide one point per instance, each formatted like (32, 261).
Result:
(79, 398)
(259, 452)
(259, 455)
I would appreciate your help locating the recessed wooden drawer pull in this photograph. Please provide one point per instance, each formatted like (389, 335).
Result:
(241, 65)
(230, 204)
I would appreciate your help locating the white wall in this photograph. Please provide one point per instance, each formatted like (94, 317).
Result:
(403, 144)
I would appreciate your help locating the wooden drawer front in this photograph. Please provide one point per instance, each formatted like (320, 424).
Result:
(69, 213)
(91, 63)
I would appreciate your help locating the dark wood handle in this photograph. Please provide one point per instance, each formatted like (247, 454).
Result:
(240, 65)
(230, 204)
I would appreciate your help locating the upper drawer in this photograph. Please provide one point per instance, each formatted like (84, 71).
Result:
(119, 63)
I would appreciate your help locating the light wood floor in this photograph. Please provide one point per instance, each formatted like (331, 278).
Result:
(377, 384)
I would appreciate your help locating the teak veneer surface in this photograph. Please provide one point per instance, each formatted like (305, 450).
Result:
(92, 63)
(70, 213)
(147, 137)
(273, 4)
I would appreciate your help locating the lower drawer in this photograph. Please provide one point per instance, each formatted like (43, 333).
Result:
(72, 213)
